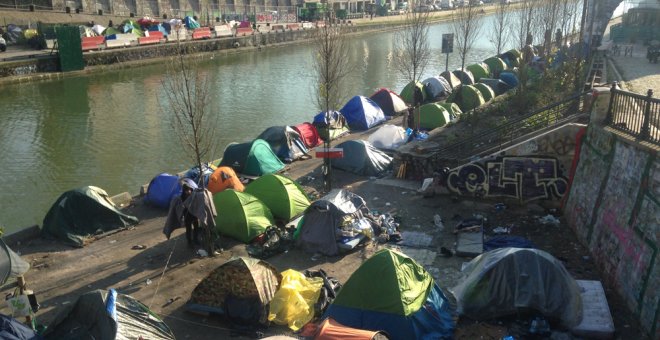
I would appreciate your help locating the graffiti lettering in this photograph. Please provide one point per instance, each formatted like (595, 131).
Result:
(524, 178)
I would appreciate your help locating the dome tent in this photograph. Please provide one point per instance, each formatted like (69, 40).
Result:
(240, 280)
(486, 91)
(509, 78)
(432, 115)
(308, 134)
(283, 196)
(388, 137)
(162, 189)
(453, 109)
(389, 102)
(436, 88)
(502, 281)
(253, 158)
(332, 125)
(451, 79)
(479, 71)
(497, 85)
(222, 178)
(362, 158)
(469, 98)
(496, 65)
(241, 215)
(362, 113)
(405, 302)
(82, 212)
(408, 92)
(465, 76)
(285, 143)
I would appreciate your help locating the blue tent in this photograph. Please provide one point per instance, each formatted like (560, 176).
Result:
(509, 78)
(362, 113)
(190, 22)
(159, 28)
(162, 189)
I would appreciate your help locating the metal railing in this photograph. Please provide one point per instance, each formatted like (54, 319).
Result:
(634, 114)
(502, 136)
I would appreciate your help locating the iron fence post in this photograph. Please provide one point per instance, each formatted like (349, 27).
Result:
(608, 117)
(646, 131)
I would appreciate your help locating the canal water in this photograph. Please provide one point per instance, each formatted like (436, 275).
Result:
(109, 130)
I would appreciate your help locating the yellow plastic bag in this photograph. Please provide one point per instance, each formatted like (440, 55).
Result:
(293, 303)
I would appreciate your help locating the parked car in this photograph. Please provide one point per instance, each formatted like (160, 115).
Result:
(446, 4)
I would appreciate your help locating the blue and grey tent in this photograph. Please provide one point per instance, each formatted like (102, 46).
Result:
(362, 158)
(285, 142)
(330, 125)
(497, 85)
(12, 329)
(436, 88)
(162, 189)
(253, 158)
(362, 113)
(509, 78)
(107, 315)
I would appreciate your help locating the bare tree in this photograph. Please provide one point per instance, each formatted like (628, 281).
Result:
(331, 68)
(187, 98)
(412, 51)
(501, 22)
(466, 23)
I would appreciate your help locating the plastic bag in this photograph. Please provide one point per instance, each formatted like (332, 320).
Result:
(293, 303)
(19, 305)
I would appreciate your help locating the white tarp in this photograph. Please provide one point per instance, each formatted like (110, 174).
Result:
(388, 137)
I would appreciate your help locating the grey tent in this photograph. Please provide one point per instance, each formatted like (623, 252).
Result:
(436, 88)
(12, 329)
(322, 219)
(108, 315)
(506, 281)
(83, 212)
(362, 158)
(285, 142)
(11, 264)
(465, 76)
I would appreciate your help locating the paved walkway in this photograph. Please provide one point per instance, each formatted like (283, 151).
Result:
(635, 71)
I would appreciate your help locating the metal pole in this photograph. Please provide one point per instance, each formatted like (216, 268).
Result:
(447, 63)
(646, 126)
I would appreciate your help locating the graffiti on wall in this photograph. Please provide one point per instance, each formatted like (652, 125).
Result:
(523, 178)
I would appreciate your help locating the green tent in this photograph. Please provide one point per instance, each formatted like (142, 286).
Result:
(486, 91)
(515, 52)
(432, 115)
(408, 93)
(254, 158)
(78, 214)
(110, 31)
(496, 65)
(241, 215)
(285, 198)
(469, 98)
(401, 289)
(452, 108)
(479, 71)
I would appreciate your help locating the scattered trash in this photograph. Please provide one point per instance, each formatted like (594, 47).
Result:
(148, 282)
(317, 257)
(387, 204)
(549, 219)
(539, 326)
(425, 185)
(586, 258)
(113, 241)
(437, 220)
(404, 192)
(139, 247)
(202, 253)
(416, 226)
(171, 301)
(501, 230)
(66, 302)
(375, 198)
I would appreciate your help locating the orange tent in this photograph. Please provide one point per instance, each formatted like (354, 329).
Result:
(333, 330)
(223, 178)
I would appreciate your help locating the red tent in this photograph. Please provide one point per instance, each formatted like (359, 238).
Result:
(309, 134)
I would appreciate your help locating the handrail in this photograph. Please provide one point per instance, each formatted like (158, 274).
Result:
(497, 138)
(634, 114)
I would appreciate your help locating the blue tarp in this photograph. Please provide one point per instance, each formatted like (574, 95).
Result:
(190, 22)
(362, 113)
(12, 329)
(432, 321)
(506, 241)
(162, 189)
